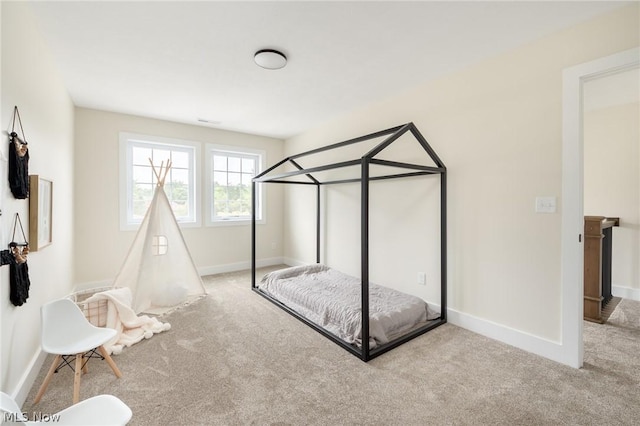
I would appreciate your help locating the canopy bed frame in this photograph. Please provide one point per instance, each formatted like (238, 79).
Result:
(364, 350)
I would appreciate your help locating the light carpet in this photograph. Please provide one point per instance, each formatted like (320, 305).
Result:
(233, 358)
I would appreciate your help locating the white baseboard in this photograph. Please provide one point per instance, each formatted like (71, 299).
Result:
(29, 377)
(92, 284)
(525, 341)
(239, 266)
(206, 270)
(293, 262)
(626, 292)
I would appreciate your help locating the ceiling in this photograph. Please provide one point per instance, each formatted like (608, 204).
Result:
(184, 61)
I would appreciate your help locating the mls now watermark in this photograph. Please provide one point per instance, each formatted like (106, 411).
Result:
(37, 416)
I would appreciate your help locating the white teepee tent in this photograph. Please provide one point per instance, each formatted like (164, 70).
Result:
(159, 269)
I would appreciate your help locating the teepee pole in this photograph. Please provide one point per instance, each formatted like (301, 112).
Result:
(155, 172)
(161, 174)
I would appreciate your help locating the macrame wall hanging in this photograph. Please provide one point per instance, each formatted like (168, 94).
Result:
(18, 269)
(18, 160)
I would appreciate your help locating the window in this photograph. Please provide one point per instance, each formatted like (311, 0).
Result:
(159, 245)
(138, 181)
(229, 188)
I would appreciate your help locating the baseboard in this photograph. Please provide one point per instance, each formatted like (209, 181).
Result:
(525, 341)
(29, 377)
(92, 284)
(206, 270)
(293, 262)
(626, 292)
(239, 266)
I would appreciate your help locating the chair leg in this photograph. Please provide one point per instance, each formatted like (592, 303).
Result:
(85, 364)
(110, 361)
(48, 378)
(76, 378)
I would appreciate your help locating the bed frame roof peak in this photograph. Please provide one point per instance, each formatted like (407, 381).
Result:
(392, 134)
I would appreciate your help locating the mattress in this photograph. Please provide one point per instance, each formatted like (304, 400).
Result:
(331, 299)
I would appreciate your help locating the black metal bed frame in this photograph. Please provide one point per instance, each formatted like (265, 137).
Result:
(364, 352)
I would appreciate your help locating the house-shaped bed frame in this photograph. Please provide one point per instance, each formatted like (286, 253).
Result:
(364, 162)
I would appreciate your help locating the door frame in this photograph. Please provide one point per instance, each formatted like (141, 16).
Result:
(573, 193)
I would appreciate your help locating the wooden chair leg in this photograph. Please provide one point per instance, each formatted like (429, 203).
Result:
(76, 379)
(47, 378)
(112, 364)
(85, 366)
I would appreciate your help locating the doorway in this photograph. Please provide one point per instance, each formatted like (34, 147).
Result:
(612, 173)
(574, 79)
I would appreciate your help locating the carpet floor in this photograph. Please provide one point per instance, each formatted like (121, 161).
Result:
(233, 358)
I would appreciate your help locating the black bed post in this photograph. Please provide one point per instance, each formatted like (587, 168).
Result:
(443, 245)
(364, 260)
(253, 234)
(317, 223)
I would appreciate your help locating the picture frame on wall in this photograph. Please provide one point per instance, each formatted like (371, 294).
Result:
(40, 212)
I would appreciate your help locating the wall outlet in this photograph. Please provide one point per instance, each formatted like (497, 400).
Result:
(422, 278)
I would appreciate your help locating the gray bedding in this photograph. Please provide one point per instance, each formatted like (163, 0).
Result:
(331, 300)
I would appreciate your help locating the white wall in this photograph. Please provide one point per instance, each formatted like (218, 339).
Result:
(97, 228)
(612, 184)
(498, 127)
(31, 81)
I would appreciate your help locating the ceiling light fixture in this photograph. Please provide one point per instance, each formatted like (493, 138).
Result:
(270, 59)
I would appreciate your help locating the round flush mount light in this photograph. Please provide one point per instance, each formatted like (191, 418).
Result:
(208, 121)
(270, 59)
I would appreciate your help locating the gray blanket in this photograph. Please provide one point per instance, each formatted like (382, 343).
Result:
(331, 300)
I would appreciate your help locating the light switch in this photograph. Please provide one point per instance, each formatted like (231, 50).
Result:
(545, 204)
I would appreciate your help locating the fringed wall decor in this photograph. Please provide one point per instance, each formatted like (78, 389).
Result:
(18, 160)
(19, 270)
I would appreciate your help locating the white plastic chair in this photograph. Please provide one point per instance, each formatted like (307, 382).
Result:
(100, 410)
(66, 333)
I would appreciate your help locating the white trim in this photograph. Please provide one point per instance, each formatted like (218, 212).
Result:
(124, 183)
(29, 377)
(233, 149)
(573, 194)
(202, 271)
(525, 341)
(239, 266)
(626, 292)
(294, 262)
(91, 284)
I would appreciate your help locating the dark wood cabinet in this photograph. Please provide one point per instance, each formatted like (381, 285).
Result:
(597, 265)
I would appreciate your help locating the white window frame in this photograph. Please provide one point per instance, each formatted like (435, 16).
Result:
(238, 150)
(127, 141)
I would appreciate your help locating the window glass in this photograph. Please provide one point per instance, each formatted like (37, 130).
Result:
(141, 181)
(230, 194)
